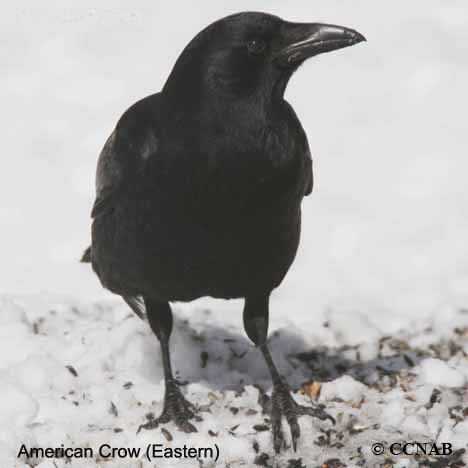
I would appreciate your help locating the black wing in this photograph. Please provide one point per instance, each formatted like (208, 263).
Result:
(125, 154)
(309, 174)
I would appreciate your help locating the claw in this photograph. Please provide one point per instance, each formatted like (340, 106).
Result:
(176, 409)
(186, 426)
(278, 438)
(153, 424)
(316, 412)
(280, 404)
(295, 432)
(291, 417)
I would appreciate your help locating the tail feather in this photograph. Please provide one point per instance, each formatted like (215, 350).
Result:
(86, 258)
(137, 304)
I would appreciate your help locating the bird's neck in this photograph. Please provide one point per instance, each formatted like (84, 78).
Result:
(253, 112)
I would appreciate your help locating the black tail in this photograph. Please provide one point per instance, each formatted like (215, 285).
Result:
(86, 258)
(137, 304)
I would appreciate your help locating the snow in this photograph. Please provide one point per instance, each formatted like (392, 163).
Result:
(436, 372)
(374, 307)
(90, 373)
(344, 388)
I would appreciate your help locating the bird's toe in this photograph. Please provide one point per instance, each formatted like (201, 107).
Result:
(316, 411)
(176, 409)
(291, 418)
(277, 431)
(280, 404)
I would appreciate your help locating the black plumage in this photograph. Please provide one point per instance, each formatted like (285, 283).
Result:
(199, 186)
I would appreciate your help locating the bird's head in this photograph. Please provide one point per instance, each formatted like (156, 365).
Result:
(250, 55)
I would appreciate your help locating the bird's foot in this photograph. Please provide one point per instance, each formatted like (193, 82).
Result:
(176, 409)
(281, 403)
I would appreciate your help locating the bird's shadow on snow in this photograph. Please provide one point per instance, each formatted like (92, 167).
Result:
(223, 358)
(327, 364)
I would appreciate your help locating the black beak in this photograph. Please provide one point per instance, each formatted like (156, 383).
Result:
(303, 40)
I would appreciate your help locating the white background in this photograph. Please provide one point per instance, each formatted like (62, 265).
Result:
(387, 223)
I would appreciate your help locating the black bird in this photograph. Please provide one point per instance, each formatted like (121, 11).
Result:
(199, 188)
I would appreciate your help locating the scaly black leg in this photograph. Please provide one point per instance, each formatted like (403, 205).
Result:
(281, 402)
(176, 407)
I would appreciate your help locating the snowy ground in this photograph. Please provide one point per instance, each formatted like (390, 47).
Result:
(84, 375)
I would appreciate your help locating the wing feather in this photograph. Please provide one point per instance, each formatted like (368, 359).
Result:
(124, 155)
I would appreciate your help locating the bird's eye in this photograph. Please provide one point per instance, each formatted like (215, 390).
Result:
(256, 46)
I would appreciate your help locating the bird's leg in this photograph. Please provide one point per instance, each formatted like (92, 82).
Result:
(176, 407)
(281, 402)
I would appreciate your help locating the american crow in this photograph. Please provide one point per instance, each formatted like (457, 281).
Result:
(199, 188)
